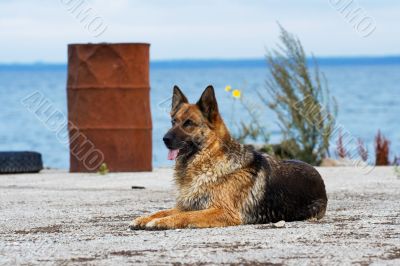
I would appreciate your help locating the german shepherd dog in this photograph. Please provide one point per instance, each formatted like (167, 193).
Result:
(223, 183)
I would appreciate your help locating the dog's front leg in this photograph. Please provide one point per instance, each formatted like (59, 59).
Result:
(140, 222)
(212, 217)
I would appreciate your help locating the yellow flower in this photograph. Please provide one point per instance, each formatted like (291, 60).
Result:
(236, 93)
(228, 88)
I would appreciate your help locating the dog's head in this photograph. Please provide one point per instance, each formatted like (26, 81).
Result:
(193, 125)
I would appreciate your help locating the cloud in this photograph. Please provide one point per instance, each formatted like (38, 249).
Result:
(40, 31)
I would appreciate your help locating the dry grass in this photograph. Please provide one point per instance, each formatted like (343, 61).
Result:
(340, 149)
(381, 150)
(362, 150)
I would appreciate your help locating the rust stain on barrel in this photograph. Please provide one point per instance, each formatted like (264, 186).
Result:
(108, 91)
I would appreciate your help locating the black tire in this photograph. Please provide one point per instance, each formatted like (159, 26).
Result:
(20, 162)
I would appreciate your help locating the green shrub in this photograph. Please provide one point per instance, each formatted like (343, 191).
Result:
(305, 110)
(103, 169)
(251, 129)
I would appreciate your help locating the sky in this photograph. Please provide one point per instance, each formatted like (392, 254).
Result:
(39, 31)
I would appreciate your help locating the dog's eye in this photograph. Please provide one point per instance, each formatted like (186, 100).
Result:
(173, 122)
(188, 123)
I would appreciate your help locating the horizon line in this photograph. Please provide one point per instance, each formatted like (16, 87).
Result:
(235, 62)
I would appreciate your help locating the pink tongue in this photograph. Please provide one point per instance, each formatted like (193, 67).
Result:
(172, 154)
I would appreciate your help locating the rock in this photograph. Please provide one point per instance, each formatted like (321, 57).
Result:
(279, 224)
(342, 162)
(329, 162)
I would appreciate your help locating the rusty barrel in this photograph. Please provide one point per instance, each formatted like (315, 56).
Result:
(109, 114)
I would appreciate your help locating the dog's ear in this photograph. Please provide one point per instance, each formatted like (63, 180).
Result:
(178, 98)
(208, 104)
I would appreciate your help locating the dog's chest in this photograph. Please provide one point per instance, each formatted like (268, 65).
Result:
(196, 194)
(193, 202)
(198, 182)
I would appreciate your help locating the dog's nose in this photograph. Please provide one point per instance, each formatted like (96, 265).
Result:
(167, 140)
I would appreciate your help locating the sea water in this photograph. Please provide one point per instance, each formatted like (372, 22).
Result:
(368, 96)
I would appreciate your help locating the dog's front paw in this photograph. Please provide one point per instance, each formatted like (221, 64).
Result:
(164, 224)
(160, 224)
(139, 223)
(154, 225)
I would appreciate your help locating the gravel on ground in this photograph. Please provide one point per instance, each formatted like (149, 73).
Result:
(60, 218)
